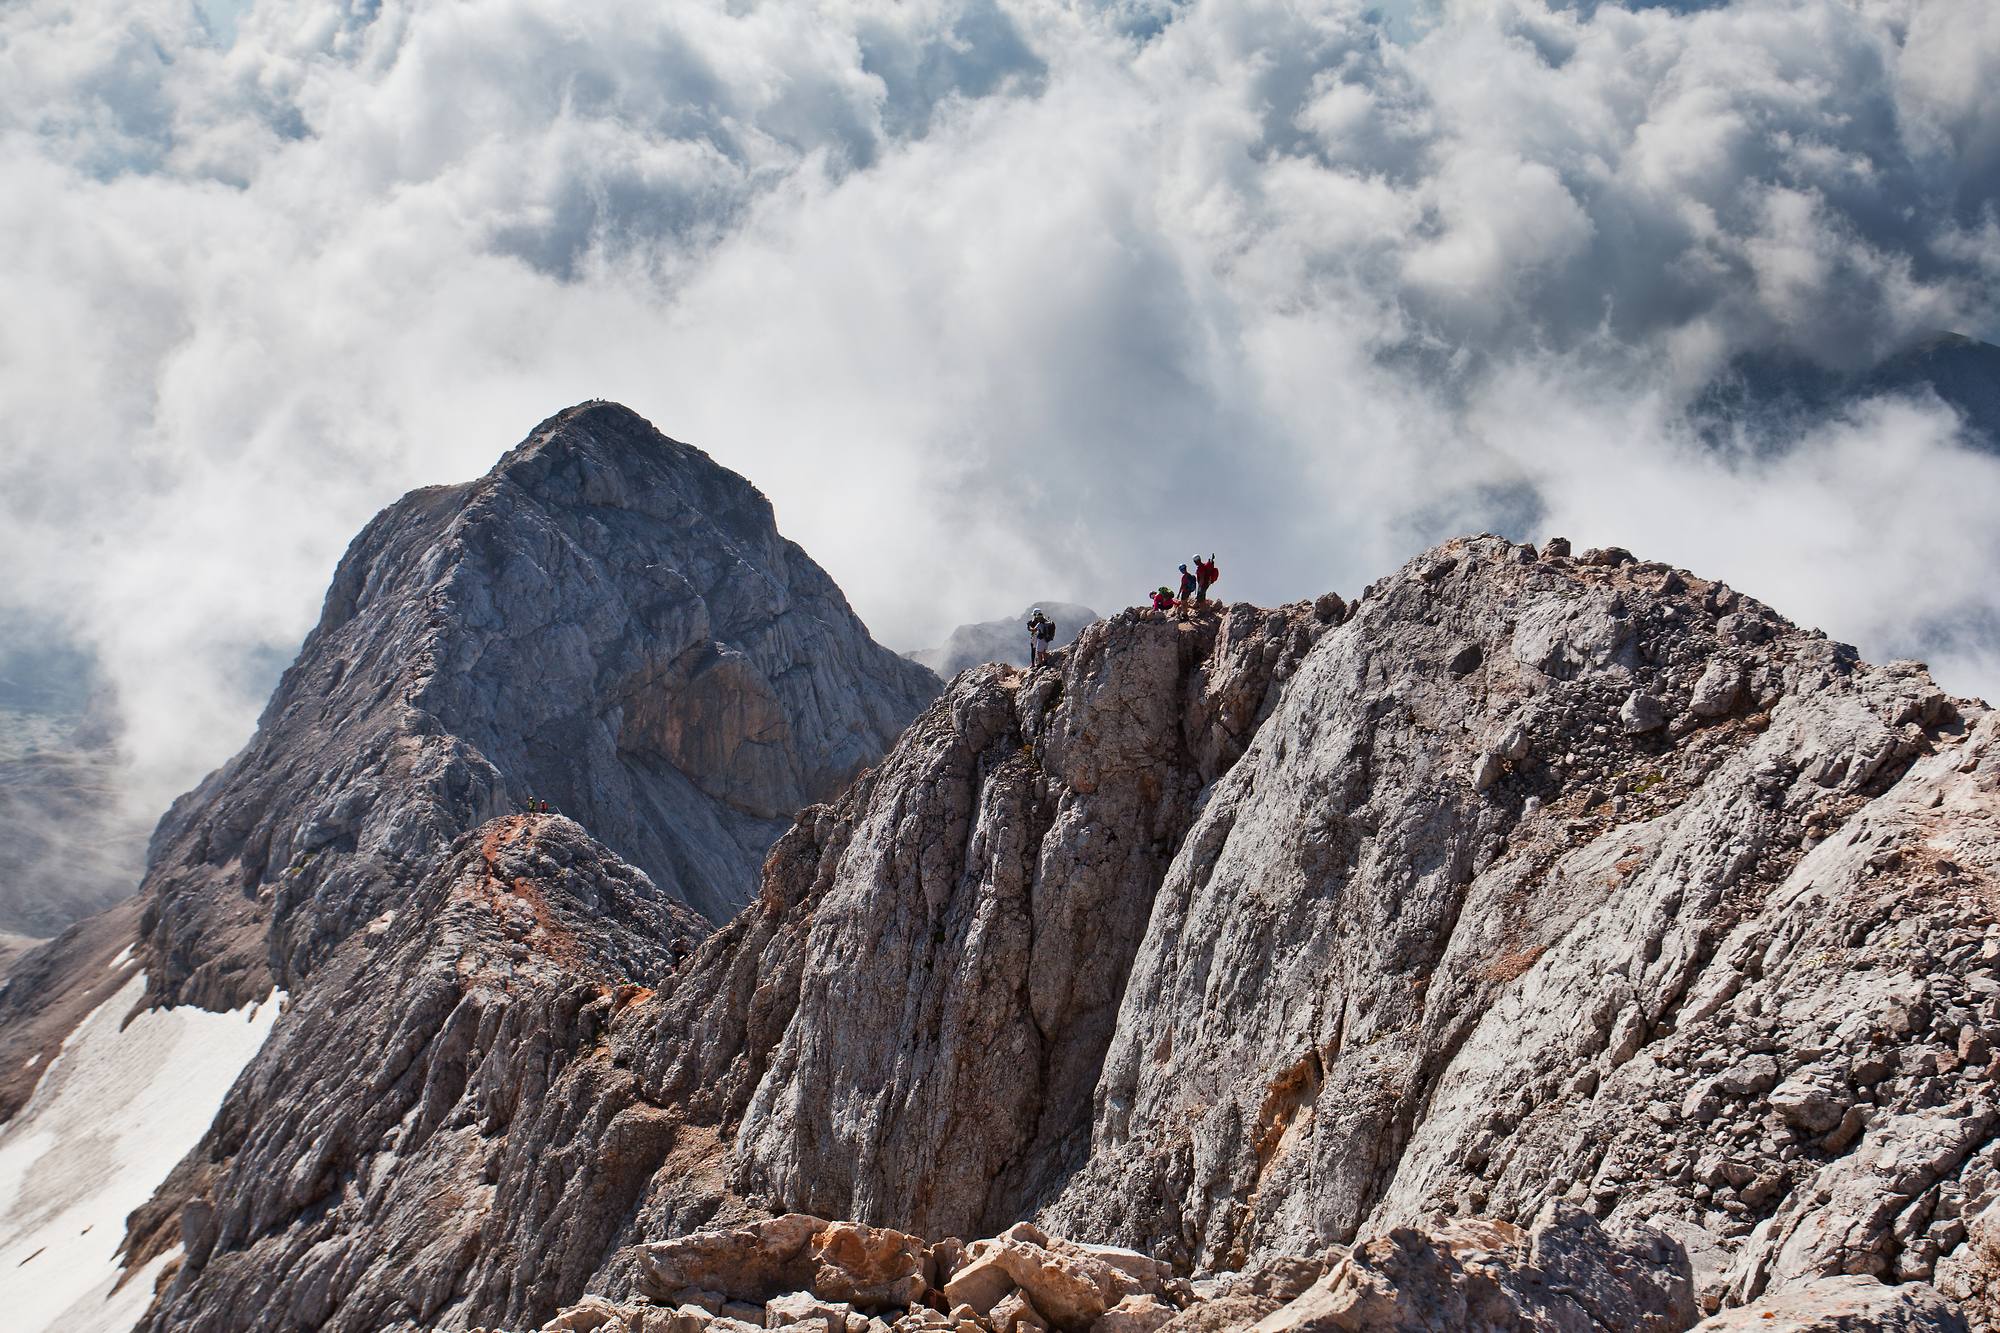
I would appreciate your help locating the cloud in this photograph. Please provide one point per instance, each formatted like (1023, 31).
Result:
(995, 298)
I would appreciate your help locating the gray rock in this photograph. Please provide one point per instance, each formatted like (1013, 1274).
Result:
(1201, 944)
(1814, 1098)
(1641, 713)
(1718, 689)
(607, 621)
(1844, 1305)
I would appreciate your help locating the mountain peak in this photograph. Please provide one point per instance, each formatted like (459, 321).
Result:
(609, 621)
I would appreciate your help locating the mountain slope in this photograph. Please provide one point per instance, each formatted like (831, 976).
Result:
(607, 621)
(1525, 877)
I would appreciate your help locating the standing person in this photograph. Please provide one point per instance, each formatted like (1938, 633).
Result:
(1205, 574)
(1045, 635)
(1187, 591)
(1035, 623)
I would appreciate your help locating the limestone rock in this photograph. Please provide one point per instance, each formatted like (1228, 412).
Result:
(747, 1263)
(416, 1070)
(607, 621)
(1814, 1099)
(1716, 691)
(804, 1310)
(1199, 943)
(869, 1267)
(1143, 1313)
(1641, 713)
(1844, 1305)
(1567, 1274)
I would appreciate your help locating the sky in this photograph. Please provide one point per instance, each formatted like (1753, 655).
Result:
(996, 299)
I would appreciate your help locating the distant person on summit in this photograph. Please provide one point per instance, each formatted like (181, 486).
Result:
(1163, 601)
(1188, 583)
(1205, 575)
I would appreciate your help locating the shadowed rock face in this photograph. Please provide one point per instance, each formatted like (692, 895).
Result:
(607, 621)
(1528, 881)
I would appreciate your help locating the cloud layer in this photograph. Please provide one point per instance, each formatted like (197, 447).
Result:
(995, 298)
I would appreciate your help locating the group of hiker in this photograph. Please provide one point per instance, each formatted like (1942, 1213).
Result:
(1197, 577)
(1193, 592)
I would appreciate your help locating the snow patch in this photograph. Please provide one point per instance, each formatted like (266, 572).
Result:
(32, 1061)
(124, 957)
(113, 1113)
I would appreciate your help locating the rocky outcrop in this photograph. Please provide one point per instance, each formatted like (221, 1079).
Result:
(882, 966)
(1844, 1305)
(1640, 966)
(399, 1117)
(1577, 894)
(1565, 1273)
(608, 621)
(1004, 641)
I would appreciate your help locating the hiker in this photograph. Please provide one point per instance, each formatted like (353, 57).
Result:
(1040, 630)
(1205, 575)
(1163, 601)
(1188, 582)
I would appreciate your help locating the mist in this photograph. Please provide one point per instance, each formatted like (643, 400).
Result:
(996, 301)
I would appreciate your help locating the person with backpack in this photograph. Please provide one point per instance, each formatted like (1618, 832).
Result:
(1163, 601)
(1041, 631)
(1205, 575)
(1188, 582)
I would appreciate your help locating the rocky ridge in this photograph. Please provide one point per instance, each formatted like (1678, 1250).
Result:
(1529, 882)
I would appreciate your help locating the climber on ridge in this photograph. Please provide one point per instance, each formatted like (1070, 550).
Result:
(1205, 574)
(1041, 631)
(1188, 583)
(1163, 601)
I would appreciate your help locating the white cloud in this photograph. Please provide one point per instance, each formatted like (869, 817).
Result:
(996, 299)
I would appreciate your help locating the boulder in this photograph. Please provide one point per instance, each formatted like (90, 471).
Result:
(1813, 1099)
(980, 1283)
(749, 1263)
(1071, 1290)
(1641, 713)
(802, 1309)
(1716, 693)
(1855, 1304)
(1143, 1313)
(1015, 1313)
(870, 1267)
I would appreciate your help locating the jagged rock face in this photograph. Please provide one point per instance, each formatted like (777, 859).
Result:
(968, 949)
(878, 951)
(393, 1116)
(1731, 968)
(608, 621)
(1526, 879)
(1004, 641)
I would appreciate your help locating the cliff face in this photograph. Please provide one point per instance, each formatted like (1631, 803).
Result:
(907, 1023)
(1529, 882)
(1549, 876)
(607, 621)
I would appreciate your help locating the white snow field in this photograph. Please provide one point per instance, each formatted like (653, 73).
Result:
(110, 1118)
